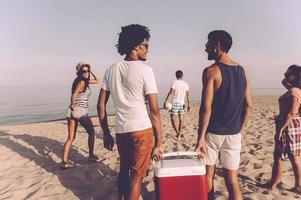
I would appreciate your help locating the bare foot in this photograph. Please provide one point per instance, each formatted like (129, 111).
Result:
(93, 158)
(65, 165)
(269, 186)
(178, 136)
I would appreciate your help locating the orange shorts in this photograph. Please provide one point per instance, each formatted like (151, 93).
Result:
(135, 150)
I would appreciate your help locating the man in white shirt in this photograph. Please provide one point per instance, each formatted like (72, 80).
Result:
(132, 85)
(179, 89)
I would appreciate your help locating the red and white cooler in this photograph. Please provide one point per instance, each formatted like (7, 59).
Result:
(180, 176)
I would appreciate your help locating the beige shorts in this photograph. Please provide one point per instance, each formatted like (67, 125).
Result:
(225, 148)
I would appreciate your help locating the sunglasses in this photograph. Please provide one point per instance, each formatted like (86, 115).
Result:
(287, 74)
(85, 71)
(145, 45)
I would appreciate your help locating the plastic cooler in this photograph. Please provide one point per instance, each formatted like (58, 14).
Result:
(179, 178)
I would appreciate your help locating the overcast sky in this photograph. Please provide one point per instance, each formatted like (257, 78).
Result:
(42, 40)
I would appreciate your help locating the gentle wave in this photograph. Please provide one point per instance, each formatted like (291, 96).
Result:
(20, 106)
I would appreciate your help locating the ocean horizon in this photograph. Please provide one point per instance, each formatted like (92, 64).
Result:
(23, 105)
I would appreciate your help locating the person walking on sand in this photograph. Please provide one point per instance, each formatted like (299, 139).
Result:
(78, 110)
(224, 111)
(179, 89)
(132, 85)
(288, 129)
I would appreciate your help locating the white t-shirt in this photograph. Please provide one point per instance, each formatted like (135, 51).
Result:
(180, 88)
(129, 82)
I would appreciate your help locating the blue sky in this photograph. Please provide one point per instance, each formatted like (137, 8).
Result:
(41, 41)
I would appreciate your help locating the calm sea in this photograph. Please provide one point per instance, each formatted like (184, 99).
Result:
(20, 105)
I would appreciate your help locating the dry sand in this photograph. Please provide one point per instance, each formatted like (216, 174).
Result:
(30, 155)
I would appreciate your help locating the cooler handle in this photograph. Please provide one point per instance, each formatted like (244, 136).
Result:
(181, 153)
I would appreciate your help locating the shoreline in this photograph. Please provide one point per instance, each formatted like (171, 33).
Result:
(109, 114)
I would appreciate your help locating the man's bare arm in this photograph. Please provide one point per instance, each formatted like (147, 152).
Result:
(247, 107)
(102, 116)
(205, 108)
(188, 98)
(156, 123)
(170, 91)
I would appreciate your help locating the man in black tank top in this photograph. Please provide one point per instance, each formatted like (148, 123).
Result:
(224, 111)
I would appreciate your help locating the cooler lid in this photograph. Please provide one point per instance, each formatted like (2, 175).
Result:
(179, 167)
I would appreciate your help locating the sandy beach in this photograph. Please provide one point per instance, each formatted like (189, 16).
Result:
(31, 153)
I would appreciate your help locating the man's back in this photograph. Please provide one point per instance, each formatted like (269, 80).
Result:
(228, 101)
(128, 83)
(180, 88)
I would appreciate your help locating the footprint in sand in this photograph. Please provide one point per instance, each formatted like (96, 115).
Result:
(245, 163)
(269, 142)
(185, 147)
(252, 151)
(176, 148)
(257, 166)
(284, 193)
(259, 177)
(257, 146)
(265, 192)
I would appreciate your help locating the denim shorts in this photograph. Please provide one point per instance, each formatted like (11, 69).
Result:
(77, 112)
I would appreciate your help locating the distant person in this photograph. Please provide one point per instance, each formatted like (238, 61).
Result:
(78, 110)
(224, 111)
(288, 129)
(179, 90)
(132, 85)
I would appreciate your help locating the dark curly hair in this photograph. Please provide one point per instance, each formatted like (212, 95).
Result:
(131, 36)
(296, 71)
(221, 36)
(179, 74)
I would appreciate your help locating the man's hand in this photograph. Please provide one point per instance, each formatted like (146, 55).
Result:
(108, 141)
(164, 105)
(279, 134)
(242, 131)
(157, 153)
(201, 148)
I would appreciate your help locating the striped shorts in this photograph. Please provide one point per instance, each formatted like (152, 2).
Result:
(177, 108)
(290, 143)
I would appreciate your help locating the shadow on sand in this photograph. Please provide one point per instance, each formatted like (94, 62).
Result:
(87, 181)
(252, 185)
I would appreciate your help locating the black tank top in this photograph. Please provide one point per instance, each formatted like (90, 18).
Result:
(228, 101)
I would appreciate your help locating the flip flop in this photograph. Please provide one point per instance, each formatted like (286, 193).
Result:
(268, 186)
(295, 190)
(93, 158)
(65, 165)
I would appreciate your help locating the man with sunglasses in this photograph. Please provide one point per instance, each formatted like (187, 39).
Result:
(132, 85)
(225, 107)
